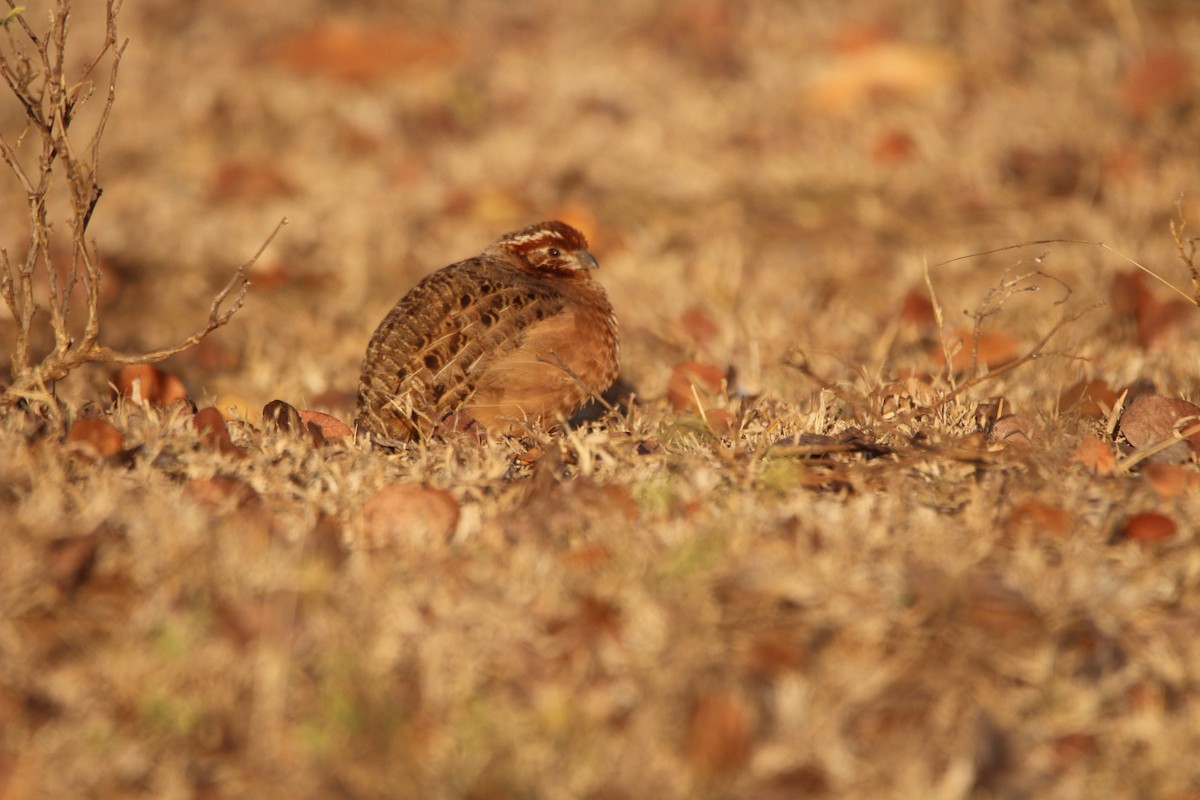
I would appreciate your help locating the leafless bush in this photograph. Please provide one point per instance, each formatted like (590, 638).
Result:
(46, 156)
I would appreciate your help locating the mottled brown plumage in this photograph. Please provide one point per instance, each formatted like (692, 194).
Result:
(521, 333)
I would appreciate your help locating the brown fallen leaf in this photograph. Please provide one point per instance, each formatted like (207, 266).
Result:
(705, 378)
(96, 438)
(409, 515)
(698, 325)
(1093, 399)
(1154, 81)
(994, 349)
(332, 428)
(917, 310)
(718, 740)
(209, 423)
(893, 147)
(146, 383)
(1171, 480)
(854, 76)
(1035, 518)
(1017, 430)
(1151, 419)
(1096, 455)
(248, 180)
(352, 51)
(220, 489)
(1148, 527)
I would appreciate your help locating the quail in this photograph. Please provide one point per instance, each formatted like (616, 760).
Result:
(521, 334)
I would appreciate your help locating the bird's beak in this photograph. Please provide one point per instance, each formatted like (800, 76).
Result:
(587, 260)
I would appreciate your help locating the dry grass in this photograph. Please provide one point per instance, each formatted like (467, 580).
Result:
(854, 591)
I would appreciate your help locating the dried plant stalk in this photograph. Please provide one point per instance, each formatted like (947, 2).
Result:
(33, 67)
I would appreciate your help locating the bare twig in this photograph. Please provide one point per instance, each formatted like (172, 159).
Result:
(36, 76)
(216, 317)
(1109, 248)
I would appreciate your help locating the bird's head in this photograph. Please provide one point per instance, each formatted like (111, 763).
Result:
(552, 247)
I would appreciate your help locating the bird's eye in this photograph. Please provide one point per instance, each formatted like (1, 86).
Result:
(553, 251)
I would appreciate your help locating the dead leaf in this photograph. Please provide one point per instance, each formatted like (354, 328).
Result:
(209, 423)
(697, 323)
(1017, 430)
(332, 428)
(1094, 399)
(718, 740)
(1035, 518)
(1148, 527)
(893, 147)
(96, 436)
(146, 383)
(1151, 419)
(1096, 455)
(855, 77)
(350, 51)
(1072, 748)
(220, 489)
(995, 349)
(409, 515)
(706, 378)
(1157, 80)
(917, 310)
(248, 181)
(1171, 480)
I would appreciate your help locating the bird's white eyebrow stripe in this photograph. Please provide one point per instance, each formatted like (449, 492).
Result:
(535, 236)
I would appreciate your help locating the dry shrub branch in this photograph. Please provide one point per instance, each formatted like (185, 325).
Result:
(46, 155)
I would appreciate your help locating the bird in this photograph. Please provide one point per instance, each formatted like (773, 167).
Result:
(520, 335)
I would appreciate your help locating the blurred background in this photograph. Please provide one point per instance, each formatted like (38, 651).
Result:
(783, 169)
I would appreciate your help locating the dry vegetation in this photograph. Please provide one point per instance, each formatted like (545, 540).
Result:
(882, 521)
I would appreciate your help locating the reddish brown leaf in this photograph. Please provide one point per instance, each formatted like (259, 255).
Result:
(146, 383)
(209, 423)
(994, 607)
(1035, 518)
(1095, 455)
(1017, 430)
(248, 180)
(220, 489)
(719, 733)
(994, 349)
(1151, 419)
(1072, 748)
(893, 147)
(1093, 399)
(1157, 80)
(1158, 319)
(332, 428)
(1171, 480)
(1149, 526)
(917, 310)
(407, 514)
(706, 378)
(96, 436)
(699, 325)
(351, 51)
